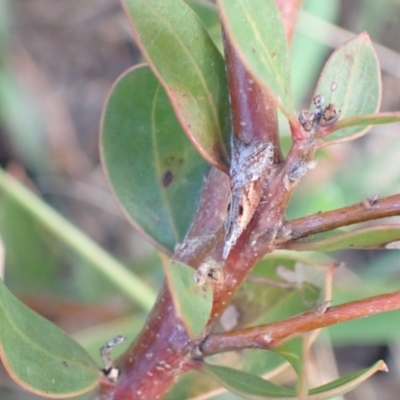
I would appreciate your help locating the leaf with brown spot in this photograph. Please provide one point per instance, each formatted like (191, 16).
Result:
(351, 80)
(156, 173)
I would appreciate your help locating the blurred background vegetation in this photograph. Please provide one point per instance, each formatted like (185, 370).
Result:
(58, 61)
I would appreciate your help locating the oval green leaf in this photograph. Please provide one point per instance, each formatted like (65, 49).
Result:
(253, 387)
(193, 303)
(256, 31)
(39, 356)
(208, 14)
(351, 80)
(155, 172)
(185, 60)
(373, 237)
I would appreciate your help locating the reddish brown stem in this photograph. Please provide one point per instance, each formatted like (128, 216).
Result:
(360, 212)
(271, 335)
(159, 356)
(254, 113)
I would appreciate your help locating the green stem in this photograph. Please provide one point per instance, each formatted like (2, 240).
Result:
(78, 241)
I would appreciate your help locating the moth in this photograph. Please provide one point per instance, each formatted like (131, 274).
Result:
(249, 164)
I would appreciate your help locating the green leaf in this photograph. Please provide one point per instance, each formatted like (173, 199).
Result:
(208, 14)
(351, 80)
(373, 237)
(245, 384)
(253, 387)
(292, 350)
(183, 57)
(346, 383)
(192, 303)
(155, 172)
(38, 355)
(256, 31)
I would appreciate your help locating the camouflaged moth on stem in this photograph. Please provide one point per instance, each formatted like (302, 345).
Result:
(249, 170)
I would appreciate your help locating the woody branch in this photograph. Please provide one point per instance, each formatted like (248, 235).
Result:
(272, 335)
(361, 212)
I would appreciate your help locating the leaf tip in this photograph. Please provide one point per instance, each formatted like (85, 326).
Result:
(383, 367)
(364, 36)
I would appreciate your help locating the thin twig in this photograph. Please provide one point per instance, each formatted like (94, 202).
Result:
(273, 334)
(356, 213)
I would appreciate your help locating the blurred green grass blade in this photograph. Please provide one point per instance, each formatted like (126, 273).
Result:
(193, 303)
(155, 172)
(33, 270)
(125, 280)
(373, 237)
(191, 69)
(21, 117)
(256, 31)
(38, 355)
(351, 80)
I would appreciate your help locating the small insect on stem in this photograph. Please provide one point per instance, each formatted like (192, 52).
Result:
(109, 371)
